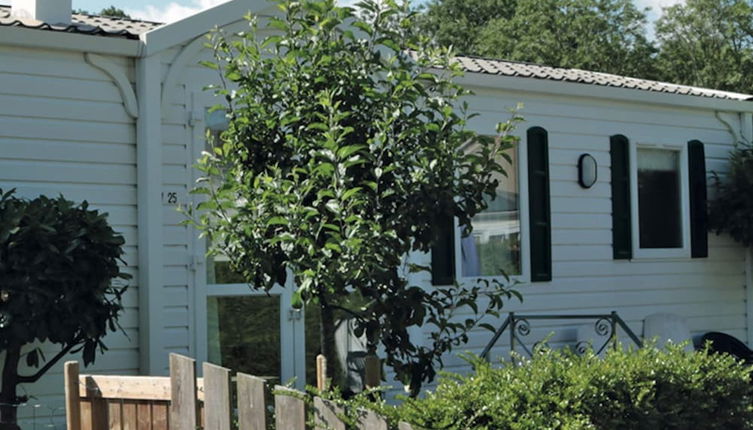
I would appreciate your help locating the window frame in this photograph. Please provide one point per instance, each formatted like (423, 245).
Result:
(525, 255)
(660, 253)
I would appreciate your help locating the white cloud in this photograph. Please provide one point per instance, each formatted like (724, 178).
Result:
(172, 11)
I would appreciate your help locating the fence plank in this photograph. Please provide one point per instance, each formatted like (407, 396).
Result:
(216, 397)
(125, 387)
(369, 420)
(321, 372)
(290, 411)
(160, 416)
(325, 415)
(144, 415)
(99, 412)
(72, 397)
(252, 411)
(115, 415)
(129, 417)
(86, 415)
(372, 372)
(183, 393)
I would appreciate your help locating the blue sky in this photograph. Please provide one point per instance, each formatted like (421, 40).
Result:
(171, 10)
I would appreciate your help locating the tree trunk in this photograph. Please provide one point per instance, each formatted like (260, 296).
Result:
(327, 339)
(8, 397)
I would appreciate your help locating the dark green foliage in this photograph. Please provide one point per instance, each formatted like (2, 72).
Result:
(707, 43)
(342, 154)
(644, 389)
(731, 211)
(57, 261)
(602, 35)
(458, 23)
(114, 12)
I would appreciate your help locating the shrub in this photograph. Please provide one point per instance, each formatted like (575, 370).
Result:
(732, 210)
(644, 389)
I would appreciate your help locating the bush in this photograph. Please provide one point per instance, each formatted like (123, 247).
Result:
(644, 389)
(732, 210)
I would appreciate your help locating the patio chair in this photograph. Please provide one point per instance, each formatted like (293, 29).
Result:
(724, 343)
(667, 328)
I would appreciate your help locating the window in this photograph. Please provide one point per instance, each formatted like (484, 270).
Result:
(493, 248)
(660, 203)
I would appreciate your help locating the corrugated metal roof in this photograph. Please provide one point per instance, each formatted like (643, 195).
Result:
(536, 71)
(84, 24)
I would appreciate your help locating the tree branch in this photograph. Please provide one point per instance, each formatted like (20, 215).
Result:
(35, 377)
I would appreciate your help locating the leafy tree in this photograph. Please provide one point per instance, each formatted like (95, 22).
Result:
(601, 35)
(57, 262)
(344, 154)
(114, 12)
(707, 43)
(458, 23)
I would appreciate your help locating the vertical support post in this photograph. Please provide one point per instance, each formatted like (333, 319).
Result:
(216, 397)
(72, 396)
(321, 372)
(613, 335)
(513, 327)
(373, 370)
(290, 411)
(183, 402)
(749, 294)
(252, 409)
(149, 200)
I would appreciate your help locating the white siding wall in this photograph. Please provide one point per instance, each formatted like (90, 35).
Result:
(64, 130)
(709, 293)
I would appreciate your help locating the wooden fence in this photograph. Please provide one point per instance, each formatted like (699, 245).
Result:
(182, 401)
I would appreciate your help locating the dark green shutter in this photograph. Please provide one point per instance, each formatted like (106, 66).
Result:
(622, 239)
(699, 243)
(443, 254)
(538, 204)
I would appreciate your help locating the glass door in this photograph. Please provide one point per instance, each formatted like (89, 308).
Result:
(250, 331)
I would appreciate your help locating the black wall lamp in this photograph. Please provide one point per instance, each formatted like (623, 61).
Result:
(587, 171)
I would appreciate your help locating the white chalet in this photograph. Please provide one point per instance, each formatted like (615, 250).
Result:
(113, 111)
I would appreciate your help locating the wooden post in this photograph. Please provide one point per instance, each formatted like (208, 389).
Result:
(72, 397)
(216, 397)
(321, 372)
(373, 370)
(290, 411)
(325, 415)
(252, 411)
(183, 403)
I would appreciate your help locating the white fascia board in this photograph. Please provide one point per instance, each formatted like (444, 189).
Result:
(196, 25)
(480, 81)
(58, 40)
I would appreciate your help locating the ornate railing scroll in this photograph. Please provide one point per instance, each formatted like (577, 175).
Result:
(519, 327)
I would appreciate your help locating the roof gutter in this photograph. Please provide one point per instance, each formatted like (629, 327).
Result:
(58, 40)
(473, 80)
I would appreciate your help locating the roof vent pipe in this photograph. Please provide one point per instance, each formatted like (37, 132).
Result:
(53, 12)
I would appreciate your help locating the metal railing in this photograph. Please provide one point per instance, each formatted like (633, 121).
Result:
(519, 326)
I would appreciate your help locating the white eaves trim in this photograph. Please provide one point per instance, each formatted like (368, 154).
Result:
(473, 80)
(199, 24)
(34, 38)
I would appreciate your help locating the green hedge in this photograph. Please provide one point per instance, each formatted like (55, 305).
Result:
(644, 389)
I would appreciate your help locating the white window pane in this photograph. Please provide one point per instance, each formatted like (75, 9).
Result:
(493, 248)
(659, 210)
